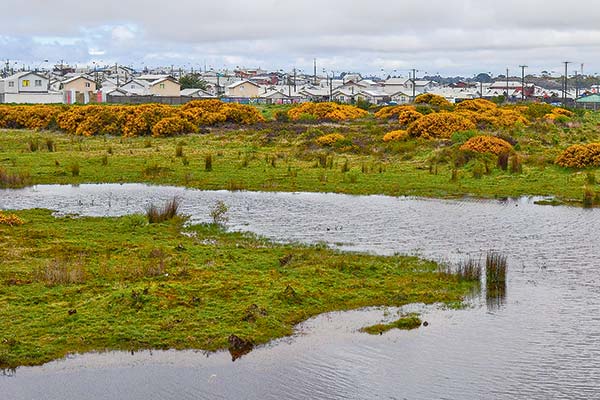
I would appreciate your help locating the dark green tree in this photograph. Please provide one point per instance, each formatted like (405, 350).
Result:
(192, 81)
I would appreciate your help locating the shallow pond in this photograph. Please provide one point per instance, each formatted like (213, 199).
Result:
(539, 342)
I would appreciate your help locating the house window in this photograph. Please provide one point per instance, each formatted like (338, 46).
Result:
(26, 83)
(11, 84)
(133, 86)
(38, 82)
(87, 84)
(162, 85)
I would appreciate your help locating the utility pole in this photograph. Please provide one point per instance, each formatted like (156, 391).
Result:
(294, 79)
(413, 80)
(331, 86)
(565, 83)
(576, 84)
(507, 96)
(523, 81)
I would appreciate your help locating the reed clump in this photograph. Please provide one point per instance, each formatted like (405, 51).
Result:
(168, 211)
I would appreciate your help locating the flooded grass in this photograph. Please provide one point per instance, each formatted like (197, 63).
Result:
(496, 266)
(407, 322)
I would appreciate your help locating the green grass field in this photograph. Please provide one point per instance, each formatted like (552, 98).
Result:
(285, 157)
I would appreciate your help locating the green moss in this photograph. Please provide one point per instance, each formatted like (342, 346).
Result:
(407, 323)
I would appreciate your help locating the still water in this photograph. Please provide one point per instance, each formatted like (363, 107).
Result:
(541, 342)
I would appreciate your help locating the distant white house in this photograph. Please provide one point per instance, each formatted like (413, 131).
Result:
(343, 95)
(275, 97)
(372, 96)
(136, 87)
(197, 94)
(28, 87)
(400, 97)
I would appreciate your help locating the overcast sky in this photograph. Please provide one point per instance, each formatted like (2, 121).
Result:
(372, 36)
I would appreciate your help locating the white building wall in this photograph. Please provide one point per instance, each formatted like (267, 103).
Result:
(33, 98)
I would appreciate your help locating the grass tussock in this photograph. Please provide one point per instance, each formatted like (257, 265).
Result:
(13, 179)
(496, 266)
(168, 211)
(61, 272)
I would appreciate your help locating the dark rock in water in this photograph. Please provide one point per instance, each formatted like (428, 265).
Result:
(425, 323)
(239, 347)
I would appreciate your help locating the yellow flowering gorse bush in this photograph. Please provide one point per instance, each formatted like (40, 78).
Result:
(10, 219)
(326, 112)
(487, 144)
(408, 116)
(433, 100)
(580, 156)
(391, 112)
(330, 139)
(395, 136)
(128, 120)
(439, 125)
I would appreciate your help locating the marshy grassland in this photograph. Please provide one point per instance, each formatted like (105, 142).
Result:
(285, 157)
(91, 284)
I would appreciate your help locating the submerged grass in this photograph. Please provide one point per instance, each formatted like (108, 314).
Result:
(407, 322)
(81, 284)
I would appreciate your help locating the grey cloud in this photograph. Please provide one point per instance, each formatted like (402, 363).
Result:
(449, 35)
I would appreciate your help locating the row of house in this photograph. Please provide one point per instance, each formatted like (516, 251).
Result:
(119, 83)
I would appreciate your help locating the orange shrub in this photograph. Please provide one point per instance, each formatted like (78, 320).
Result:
(142, 118)
(211, 112)
(580, 156)
(408, 116)
(30, 117)
(326, 112)
(10, 219)
(171, 126)
(476, 105)
(394, 136)
(487, 144)
(92, 120)
(491, 117)
(439, 125)
(563, 112)
(241, 114)
(559, 114)
(329, 140)
(433, 100)
(390, 112)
